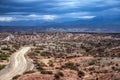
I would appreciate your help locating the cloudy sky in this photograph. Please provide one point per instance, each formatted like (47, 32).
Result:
(57, 10)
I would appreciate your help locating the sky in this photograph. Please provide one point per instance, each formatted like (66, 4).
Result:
(57, 10)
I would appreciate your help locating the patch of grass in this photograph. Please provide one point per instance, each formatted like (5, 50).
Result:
(4, 56)
(2, 66)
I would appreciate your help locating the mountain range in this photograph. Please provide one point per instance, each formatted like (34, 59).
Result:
(97, 24)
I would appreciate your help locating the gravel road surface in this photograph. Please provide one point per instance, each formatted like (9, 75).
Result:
(17, 65)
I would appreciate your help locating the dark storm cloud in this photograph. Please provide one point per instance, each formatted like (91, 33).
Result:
(11, 10)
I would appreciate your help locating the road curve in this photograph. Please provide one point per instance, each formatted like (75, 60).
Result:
(17, 65)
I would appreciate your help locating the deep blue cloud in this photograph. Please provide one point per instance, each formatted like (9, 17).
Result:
(57, 10)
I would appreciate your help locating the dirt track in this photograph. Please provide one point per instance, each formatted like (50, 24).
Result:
(18, 64)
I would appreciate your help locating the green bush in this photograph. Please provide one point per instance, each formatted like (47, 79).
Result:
(45, 54)
(40, 68)
(16, 46)
(46, 72)
(58, 75)
(15, 77)
(28, 72)
(4, 56)
(50, 63)
(81, 74)
(70, 65)
(60, 68)
(5, 48)
(39, 48)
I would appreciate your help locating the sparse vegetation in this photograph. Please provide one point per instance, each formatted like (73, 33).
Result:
(70, 65)
(68, 54)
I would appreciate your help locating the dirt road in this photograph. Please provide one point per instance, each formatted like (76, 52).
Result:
(18, 64)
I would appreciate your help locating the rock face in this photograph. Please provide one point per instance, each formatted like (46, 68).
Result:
(8, 38)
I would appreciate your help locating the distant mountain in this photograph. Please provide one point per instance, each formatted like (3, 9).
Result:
(64, 28)
(97, 24)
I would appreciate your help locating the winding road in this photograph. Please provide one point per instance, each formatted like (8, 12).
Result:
(17, 65)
